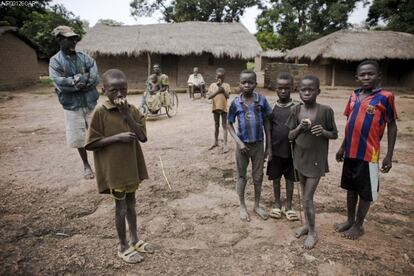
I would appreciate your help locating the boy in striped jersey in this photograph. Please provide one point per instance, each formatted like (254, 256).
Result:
(369, 110)
(252, 111)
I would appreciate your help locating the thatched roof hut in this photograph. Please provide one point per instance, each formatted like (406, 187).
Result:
(357, 46)
(335, 56)
(178, 47)
(268, 56)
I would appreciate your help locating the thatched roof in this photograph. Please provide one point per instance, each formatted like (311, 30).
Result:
(358, 45)
(220, 39)
(273, 54)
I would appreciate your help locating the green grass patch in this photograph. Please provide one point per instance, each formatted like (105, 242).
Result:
(250, 65)
(45, 81)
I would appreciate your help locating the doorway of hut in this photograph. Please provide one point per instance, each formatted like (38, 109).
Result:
(169, 66)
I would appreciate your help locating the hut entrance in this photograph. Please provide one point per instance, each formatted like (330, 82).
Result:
(169, 66)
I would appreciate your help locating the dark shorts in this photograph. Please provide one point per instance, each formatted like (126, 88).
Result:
(280, 166)
(362, 177)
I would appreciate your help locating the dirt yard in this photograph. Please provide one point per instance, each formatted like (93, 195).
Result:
(54, 222)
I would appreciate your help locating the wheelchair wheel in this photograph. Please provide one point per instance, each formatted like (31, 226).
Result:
(173, 107)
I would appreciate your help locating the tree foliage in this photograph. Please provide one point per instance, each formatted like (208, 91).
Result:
(285, 24)
(397, 14)
(193, 10)
(37, 22)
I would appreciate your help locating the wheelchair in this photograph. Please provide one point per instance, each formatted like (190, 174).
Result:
(169, 109)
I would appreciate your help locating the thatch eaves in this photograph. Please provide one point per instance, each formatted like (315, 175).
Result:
(219, 39)
(273, 54)
(357, 45)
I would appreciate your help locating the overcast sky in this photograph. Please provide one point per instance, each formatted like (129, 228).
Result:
(93, 10)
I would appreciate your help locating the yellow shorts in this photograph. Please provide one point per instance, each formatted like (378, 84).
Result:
(124, 190)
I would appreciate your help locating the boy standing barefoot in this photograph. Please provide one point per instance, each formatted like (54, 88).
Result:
(311, 126)
(252, 111)
(368, 111)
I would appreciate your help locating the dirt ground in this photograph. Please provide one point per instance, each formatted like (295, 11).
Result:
(54, 222)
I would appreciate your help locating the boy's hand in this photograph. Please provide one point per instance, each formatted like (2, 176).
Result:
(386, 164)
(268, 154)
(122, 105)
(317, 130)
(126, 137)
(305, 124)
(340, 154)
(243, 148)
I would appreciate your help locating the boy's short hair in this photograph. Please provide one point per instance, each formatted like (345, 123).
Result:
(285, 76)
(249, 71)
(369, 61)
(313, 78)
(220, 70)
(113, 73)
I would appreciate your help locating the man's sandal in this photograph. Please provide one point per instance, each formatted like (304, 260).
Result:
(291, 215)
(275, 213)
(130, 256)
(140, 247)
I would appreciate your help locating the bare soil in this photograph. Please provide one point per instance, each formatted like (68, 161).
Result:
(54, 222)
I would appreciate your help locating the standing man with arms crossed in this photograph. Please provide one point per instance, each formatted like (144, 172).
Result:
(75, 76)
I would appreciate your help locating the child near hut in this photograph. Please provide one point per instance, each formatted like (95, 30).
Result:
(368, 111)
(252, 111)
(281, 163)
(114, 136)
(311, 126)
(218, 93)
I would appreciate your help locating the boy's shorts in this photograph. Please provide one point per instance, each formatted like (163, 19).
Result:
(279, 166)
(76, 123)
(361, 176)
(123, 191)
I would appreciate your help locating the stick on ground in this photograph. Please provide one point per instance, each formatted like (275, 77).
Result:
(163, 172)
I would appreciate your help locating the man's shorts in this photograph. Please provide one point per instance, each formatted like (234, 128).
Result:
(76, 124)
(361, 176)
(279, 166)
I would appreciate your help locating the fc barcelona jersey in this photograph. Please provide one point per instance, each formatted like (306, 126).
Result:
(366, 122)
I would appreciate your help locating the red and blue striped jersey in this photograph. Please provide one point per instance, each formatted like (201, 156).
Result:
(366, 122)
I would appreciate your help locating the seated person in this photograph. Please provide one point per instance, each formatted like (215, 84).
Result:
(152, 94)
(196, 83)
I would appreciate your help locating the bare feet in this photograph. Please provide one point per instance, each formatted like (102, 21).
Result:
(261, 212)
(341, 227)
(310, 241)
(354, 232)
(301, 231)
(213, 146)
(88, 173)
(225, 149)
(244, 216)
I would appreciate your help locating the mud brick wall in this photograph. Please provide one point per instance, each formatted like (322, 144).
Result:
(18, 63)
(273, 69)
(207, 65)
(135, 68)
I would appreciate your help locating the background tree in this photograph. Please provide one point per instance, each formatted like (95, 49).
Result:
(193, 10)
(36, 22)
(110, 22)
(397, 14)
(285, 24)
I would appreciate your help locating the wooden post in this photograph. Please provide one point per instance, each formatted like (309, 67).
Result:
(149, 63)
(333, 75)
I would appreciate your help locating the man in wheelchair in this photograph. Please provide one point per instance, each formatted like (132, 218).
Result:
(196, 84)
(156, 90)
